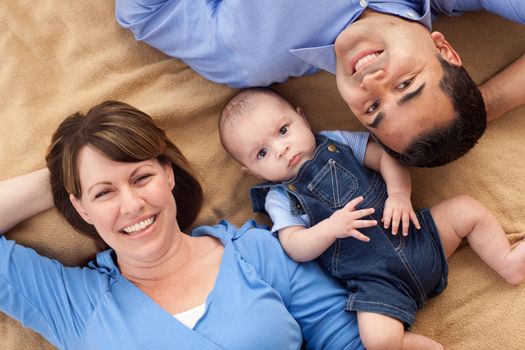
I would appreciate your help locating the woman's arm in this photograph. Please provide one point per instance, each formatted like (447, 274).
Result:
(318, 303)
(315, 300)
(24, 196)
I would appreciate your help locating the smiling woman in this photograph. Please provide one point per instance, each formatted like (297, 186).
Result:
(123, 134)
(115, 176)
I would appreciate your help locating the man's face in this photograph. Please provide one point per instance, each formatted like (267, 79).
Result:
(388, 74)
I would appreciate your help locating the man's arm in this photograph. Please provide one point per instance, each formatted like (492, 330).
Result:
(506, 90)
(24, 196)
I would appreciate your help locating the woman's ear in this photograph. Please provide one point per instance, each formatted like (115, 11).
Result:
(445, 49)
(168, 168)
(79, 208)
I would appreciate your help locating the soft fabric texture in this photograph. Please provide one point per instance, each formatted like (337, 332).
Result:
(59, 57)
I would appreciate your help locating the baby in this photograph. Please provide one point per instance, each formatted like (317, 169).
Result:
(326, 194)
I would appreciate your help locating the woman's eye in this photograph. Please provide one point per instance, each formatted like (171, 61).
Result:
(101, 194)
(142, 178)
(283, 130)
(404, 84)
(262, 153)
(373, 107)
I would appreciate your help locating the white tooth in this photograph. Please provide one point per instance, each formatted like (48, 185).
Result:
(365, 60)
(138, 226)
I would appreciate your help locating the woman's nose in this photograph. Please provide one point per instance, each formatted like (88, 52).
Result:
(131, 202)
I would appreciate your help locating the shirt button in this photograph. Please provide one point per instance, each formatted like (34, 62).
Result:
(332, 147)
(363, 3)
(292, 187)
(298, 206)
(411, 14)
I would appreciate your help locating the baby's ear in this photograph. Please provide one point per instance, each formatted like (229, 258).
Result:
(246, 170)
(300, 111)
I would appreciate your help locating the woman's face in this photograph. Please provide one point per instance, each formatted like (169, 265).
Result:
(130, 204)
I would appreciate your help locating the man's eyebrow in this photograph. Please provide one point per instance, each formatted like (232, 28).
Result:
(411, 95)
(405, 98)
(379, 117)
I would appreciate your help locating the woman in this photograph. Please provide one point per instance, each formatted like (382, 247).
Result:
(116, 176)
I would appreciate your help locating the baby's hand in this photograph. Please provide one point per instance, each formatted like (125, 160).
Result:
(346, 221)
(398, 207)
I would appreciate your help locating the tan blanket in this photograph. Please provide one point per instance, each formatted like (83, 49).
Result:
(58, 57)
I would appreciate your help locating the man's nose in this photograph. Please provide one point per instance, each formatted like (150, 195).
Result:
(131, 202)
(373, 81)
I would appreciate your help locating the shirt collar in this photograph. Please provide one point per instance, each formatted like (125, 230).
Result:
(323, 57)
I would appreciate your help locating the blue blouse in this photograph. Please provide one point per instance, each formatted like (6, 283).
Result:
(261, 300)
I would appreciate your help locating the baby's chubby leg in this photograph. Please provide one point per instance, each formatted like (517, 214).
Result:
(464, 217)
(378, 331)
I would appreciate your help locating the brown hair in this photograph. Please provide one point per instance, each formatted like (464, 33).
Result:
(123, 134)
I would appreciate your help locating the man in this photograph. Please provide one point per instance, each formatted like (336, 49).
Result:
(408, 87)
(257, 43)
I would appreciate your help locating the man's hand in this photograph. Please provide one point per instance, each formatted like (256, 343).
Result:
(345, 222)
(398, 208)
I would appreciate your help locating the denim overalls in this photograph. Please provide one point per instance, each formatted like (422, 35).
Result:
(391, 275)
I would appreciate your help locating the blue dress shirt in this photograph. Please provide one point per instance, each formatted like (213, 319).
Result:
(260, 42)
(261, 299)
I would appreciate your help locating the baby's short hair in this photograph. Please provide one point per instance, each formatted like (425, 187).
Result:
(240, 105)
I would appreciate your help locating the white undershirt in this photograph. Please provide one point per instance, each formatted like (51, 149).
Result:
(190, 317)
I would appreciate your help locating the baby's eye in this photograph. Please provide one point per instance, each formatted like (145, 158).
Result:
(373, 107)
(283, 130)
(404, 84)
(262, 153)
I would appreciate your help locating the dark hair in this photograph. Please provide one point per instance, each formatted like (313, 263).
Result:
(443, 145)
(123, 134)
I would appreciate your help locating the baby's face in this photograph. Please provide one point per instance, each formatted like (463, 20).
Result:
(272, 141)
